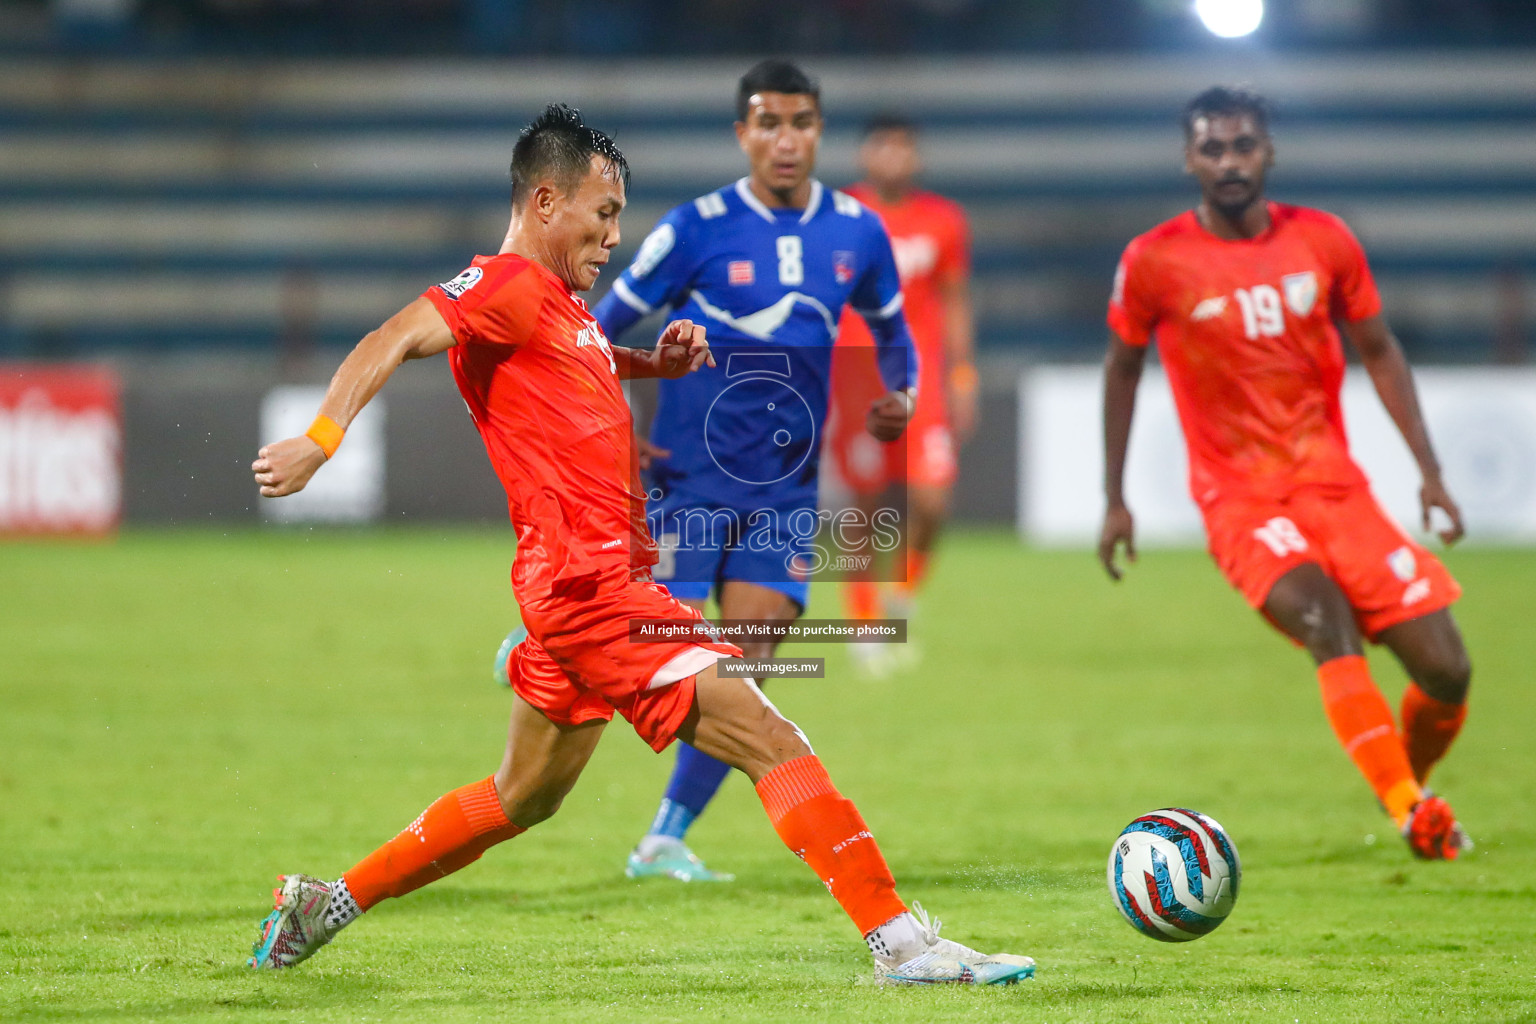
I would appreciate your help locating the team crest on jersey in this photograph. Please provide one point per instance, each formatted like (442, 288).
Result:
(741, 272)
(1403, 564)
(1300, 291)
(1209, 309)
(653, 250)
(463, 283)
(843, 266)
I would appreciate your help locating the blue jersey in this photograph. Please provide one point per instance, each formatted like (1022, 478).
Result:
(770, 286)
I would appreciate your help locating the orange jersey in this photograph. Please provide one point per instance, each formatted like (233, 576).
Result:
(1245, 330)
(539, 378)
(932, 243)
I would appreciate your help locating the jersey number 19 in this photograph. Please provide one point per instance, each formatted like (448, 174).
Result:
(1261, 311)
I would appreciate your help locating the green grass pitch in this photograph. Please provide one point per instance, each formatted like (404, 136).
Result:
(185, 715)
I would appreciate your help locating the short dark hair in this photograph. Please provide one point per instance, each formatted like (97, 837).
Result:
(774, 75)
(1227, 101)
(889, 121)
(558, 146)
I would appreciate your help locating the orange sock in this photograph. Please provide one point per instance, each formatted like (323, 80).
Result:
(1429, 728)
(861, 600)
(452, 833)
(1362, 720)
(917, 569)
(825, 830)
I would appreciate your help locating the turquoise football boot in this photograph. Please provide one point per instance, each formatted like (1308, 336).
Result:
(665, 857)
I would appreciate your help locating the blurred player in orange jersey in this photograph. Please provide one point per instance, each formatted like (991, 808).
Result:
(933, 255)
(541, 383)
(1241, 296)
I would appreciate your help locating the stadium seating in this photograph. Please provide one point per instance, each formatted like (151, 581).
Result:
(163, 205)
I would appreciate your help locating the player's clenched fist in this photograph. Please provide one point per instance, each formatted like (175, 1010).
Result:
(681, 349)
(284, 467)
(888, 415)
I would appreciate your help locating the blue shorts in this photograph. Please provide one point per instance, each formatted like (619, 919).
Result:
(701, 546)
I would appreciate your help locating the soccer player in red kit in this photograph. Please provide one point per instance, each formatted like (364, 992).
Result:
(1241, 296)
(932, 243)
(542, 385)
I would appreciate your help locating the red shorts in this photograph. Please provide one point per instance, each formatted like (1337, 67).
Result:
(1387, 576)
(580, 665)
(923, 457)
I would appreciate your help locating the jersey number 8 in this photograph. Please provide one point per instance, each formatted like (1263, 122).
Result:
(791, 260)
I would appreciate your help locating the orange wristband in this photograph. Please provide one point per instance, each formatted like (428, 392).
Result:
(964, 377)
(325, 433)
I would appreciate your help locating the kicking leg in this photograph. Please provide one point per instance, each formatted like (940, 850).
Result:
(541, 764)
(696, 776)
(732, 721)
(1431, 651)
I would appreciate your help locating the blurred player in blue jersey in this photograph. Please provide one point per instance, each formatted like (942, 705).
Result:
(767, 264)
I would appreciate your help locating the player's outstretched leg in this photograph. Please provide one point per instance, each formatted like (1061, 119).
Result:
(453, 832)
(734, 722)
(662, 853)
(541, 764)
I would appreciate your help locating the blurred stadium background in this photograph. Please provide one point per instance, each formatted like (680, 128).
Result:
(205, 203)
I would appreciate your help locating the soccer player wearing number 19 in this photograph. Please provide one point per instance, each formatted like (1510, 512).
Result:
(1241, 296)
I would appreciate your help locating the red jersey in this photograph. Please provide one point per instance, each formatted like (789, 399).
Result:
(1245, 330)
(932, 243)
(538, 376)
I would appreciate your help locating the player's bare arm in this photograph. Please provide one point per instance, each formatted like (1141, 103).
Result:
(1122, 373)
(959, 351)
(1383, 359)
(417, 331)
(889, 414)
(682, 349)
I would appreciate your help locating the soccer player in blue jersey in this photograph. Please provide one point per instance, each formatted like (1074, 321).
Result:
(767, 264)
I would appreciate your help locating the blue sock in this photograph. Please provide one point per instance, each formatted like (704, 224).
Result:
(694, 782)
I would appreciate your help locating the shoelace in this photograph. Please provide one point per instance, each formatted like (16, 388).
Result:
(943, 947)
(929, 932)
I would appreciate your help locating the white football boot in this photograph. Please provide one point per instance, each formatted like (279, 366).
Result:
(945, 962)
(297, 925)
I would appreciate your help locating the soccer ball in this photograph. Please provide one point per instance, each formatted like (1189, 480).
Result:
(1174, 874)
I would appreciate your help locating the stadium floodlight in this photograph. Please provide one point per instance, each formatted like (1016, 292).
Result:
(1230, 19)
